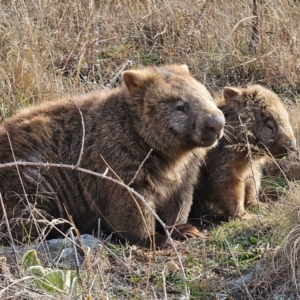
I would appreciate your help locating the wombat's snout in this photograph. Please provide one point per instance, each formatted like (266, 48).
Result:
(282, 148)
(213, 129)
(292, 145)
(216, 124)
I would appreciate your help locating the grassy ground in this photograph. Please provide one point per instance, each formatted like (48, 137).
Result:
(53, 47)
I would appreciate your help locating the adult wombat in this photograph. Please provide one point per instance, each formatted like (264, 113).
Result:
(256, 121)
(160, 108)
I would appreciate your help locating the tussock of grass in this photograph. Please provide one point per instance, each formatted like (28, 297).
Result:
(278, 274)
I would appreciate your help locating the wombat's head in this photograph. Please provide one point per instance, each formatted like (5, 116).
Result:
(264, 116)
(176, 111)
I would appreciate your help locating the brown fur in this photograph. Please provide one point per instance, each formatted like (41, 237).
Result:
(228, 181)
(164, 109)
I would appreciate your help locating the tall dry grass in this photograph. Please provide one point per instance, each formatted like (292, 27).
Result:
(50, 47)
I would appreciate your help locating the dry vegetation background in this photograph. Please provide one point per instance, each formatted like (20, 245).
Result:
(53, 47)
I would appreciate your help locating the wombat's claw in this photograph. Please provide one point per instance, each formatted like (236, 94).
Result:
(247, 216)
(186, 231)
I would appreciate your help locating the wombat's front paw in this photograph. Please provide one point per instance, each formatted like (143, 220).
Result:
(186, 231)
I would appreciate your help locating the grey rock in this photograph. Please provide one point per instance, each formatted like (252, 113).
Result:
(62, 252)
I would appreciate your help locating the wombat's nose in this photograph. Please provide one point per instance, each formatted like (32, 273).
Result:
(216, 124)
(292, 145)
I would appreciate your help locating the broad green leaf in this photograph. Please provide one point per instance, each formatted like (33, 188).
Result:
(37, 271)
(30, 259)
(56, 278)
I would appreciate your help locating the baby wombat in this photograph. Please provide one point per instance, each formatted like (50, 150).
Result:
(256, 122)
(160, 108)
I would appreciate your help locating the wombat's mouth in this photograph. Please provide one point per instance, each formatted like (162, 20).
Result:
(280, 155)
(210, 137)
(279, 151)
(203, 142)
(207, 142)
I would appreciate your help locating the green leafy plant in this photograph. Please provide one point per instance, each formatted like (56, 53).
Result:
(47, 279)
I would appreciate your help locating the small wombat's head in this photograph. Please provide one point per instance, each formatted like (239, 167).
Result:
(176, 111)
(265, 118)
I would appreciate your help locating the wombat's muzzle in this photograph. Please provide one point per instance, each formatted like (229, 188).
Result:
(216, 124)
(282, 149)
(213, 129)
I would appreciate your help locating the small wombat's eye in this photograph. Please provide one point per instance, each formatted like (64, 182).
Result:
(270, 125)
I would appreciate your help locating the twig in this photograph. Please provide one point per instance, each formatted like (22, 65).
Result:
(164, 284)
(99, 223)
(9, 233)
(275, 162)
(112, 82)
(255, 29)
(160, 33)
(140, 167)
(239, 271)
(82, 50)
(135, 201)
(21, 181)
(83, 135)
(15, 282)
(75, 253)
(13, 154)
(238, 23)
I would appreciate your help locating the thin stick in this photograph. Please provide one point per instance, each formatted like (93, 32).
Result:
(239, 271)
(255, 37)
(13, 154)
(164, 284)
(112, 82)
(21, 181)
(83, 135)
(140, 167)
(9, 233)
(75, 253)
(136, 203)
(16, 282)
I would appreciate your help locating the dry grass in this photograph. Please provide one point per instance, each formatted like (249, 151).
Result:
(277, 276)
(51, 47)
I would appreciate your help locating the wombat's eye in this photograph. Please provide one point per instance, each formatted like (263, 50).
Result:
(270, 125)
(180, 106)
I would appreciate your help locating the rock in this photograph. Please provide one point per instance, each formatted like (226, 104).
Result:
(62, 252)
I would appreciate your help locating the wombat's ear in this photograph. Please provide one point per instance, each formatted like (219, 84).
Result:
(233, 98)
(136, 80)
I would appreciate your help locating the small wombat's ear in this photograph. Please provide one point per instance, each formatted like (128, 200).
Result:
(135, 80)
(185, 68)
(233, 98)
